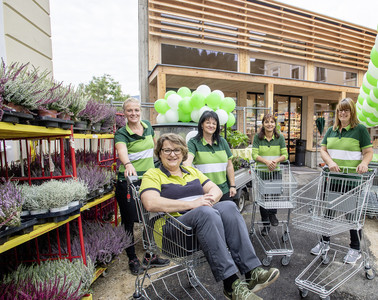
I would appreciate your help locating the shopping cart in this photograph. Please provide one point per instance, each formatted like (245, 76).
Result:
(273, 190)
(372, 201)
(179, 280)
(328, 205)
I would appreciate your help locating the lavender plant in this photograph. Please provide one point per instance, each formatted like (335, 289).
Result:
(120, 121)
(94, 112)
(11, 201)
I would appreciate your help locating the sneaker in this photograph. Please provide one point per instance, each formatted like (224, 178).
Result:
(273, 219)
(319, 247)
(156, 261)
(265, 231)
(261, 278)
(240, 291)
(135, 267)
(352, 256)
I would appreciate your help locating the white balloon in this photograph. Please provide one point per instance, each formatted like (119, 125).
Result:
(368, 108)
(220, 93)
(372, 96)
(195, 115)
(160, 119)
(222, 115)
(203, 109)
(358, 107)
(190, 135)
(173, 101)
(172, 116)
(371, 121)
(366, 83)
(373, 70)
(204, 90)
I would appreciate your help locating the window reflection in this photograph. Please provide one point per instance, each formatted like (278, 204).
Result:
(278, 69)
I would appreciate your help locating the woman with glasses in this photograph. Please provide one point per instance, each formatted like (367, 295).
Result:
(134, 144)
(222, 234)
(210, 154)
(346, 144)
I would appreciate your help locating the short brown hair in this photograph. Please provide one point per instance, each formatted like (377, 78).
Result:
(346, 103)
(174, 139)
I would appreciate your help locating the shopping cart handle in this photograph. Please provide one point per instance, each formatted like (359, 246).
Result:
(286, 162)
(345, 170)
(132, 179)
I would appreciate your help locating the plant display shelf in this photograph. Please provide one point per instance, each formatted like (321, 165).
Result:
(38, 231)
(93, 136)
(97, 201)
(9, 131)
(87, 297)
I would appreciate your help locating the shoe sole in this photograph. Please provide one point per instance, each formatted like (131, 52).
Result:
(316, 254)
(273, 277)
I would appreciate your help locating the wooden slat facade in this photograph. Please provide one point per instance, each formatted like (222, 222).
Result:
(264, 27)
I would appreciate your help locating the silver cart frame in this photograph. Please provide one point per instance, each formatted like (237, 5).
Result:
(273, 190)
(180, 277)
(330, 204)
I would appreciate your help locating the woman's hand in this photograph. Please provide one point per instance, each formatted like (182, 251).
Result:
(130, 170)
(205, 200)
(362, 168)
(333, 167)
(232, 192)
(271, 164)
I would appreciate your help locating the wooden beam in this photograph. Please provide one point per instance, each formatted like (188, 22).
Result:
(269, 95)
(309, 122)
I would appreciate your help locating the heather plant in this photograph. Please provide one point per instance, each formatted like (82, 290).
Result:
(46, 290)
(32, 199)
(120, 121)
(94, 176)
(78, 277)
(76, 189)
(11, 201)
(55, 193)
(94, 112)
(78, 100)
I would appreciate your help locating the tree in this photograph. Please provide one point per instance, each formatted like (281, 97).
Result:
(105, 89)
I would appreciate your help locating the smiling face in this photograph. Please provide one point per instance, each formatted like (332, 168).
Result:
(209, 126)
(132, 112)
(344, 116)
(171, 156)
(269, 125)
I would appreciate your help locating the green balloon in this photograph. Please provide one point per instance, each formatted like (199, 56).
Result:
(184, 92)
(361, 117)
(197, 100)
(371, 102)
(213, 100)
(167, 94)
(371, 79)
(185, 106)
(228, 104)
(360, 99)
(161, 106)
(367, 114)
(183, 117)
(365, 89)
(231, 120)
(374, 57)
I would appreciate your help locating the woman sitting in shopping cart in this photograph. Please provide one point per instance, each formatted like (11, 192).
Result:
(269, 149)
(346, 145)
(220, 229)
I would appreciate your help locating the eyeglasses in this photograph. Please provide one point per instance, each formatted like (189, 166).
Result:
(168, 151)
(344, 110)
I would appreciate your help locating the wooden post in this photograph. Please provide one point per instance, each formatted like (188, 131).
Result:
(269, 95)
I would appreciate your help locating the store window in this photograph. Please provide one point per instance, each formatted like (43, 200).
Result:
(320, 74)
(253, 114)
(335, 76)
(278, 69)
(196, 57)
(288, 113)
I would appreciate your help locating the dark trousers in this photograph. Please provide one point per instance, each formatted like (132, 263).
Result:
(266, 212)
(336, 186)
(128, 211)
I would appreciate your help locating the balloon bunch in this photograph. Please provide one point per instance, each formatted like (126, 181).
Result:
(186, 106)
(367, 102)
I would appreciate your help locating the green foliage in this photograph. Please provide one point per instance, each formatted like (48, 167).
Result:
(236, 139)
(239, 162)
(105, 89)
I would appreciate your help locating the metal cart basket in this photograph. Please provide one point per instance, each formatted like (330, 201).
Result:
(328, 205)
(372, 201)
(273, 190)
(179, 280)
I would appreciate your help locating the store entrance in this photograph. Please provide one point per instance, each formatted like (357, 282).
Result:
(288, 113)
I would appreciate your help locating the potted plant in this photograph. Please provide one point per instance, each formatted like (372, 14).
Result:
(33, 202)
(11, 201)
(94, 112)
(77, 190)
(55, 194)
(237, 139)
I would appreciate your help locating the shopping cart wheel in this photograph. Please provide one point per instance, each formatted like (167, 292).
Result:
(370, 274)
(266, 261)
(325, 259)
(138, 296)
(285, 260)
(303, 293)
(285, 237)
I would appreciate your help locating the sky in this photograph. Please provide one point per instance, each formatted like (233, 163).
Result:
(97, 37)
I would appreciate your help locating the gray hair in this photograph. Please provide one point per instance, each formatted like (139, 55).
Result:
(130, 100)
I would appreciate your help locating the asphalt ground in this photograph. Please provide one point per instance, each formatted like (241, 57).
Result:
(357, 287)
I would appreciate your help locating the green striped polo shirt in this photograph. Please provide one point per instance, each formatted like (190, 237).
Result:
(140, 148)
(269, 150)
(211, 160)
(187, 188)
(345, 147)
